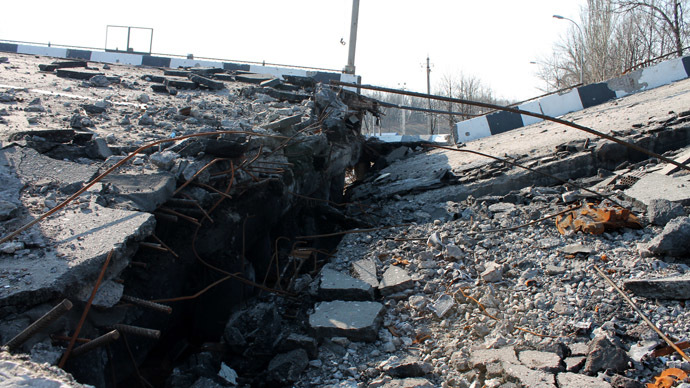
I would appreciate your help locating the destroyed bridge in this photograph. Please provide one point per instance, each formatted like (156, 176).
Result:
(180, 223)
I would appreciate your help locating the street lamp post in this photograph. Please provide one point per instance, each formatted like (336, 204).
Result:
(582, 42)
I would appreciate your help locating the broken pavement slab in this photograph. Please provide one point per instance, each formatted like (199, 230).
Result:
(32, 167)
(143, 192)
(395, 279)
(358, 321)
(76, 244)
(365, 270)
(337, 285)
(658, 186)
(677, 288)
(574, 380)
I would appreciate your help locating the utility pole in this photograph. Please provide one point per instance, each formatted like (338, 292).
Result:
(350, 67)
(402, 111)
(428, 91)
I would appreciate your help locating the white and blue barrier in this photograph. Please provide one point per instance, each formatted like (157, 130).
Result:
(171, 62)
(555, 105)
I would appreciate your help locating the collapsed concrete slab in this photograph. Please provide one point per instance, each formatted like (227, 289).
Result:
(657, 186)
(71, 249)
(358, 321)
(337, 285)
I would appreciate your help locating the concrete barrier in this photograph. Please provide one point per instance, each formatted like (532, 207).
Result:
(170, 62)
(574, 100)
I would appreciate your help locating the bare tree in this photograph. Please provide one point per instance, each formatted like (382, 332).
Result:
(669, 14)
(616, 35)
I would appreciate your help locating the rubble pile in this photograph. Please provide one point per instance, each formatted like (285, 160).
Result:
(186, 191)
(241, 258)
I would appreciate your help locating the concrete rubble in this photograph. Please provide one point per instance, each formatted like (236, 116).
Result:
(429, 268)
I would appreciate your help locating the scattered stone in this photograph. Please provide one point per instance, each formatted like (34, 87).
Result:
(661, 211)
(577, 248)
(604, 355)
(100, 81)
(395, 279)
(358, 321)
(493, 272)
(407, 367)
(453, 252)
(286, 368)
(574, 380)
(337, 285)
(144, 98)
(435, 242)
(666, 288)
(672, 241)
(618, 381)
(228, 374)
(146, 119)
(78, 122)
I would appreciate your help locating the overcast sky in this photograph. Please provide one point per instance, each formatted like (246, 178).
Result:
(494, 40)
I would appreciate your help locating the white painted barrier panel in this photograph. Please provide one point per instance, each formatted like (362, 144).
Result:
(120, 58)
(663, 73)
(472, 129)
(184, 62)
(559, 104)
(532, 106)
(276, 71)
(42, 50)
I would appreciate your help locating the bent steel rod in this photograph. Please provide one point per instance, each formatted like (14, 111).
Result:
(517, 111)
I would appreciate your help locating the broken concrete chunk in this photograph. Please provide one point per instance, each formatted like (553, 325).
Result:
(286, 368)
(673, 240)
(98, 149)
(395, 279)
(546, 361)
(211, 84)
(666, 288)
(435, 241)
(358, 321)
(574, 380)
(486, 356)
(407, 367)
(657, 186)
(282, 124)
(164, 160)
(412, 382)
(528, 377)
(7, 210)
(603, 355)
(365, 270)
(143, 192)
(574, 364)
(618, 381)
(337, 285)
(661, 211)
(493, 272)
(443, 305)
(453, 252)
(108, 294)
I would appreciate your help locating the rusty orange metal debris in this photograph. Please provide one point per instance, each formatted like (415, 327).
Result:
(596, 219)
(668, 378)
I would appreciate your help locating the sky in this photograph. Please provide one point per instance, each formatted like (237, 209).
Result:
(493, 40)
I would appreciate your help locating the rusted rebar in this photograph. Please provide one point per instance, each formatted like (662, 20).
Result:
(96, 343)
(180, 215)
(639, 312)
(139, 331)
(164, 245)
(156, 247)
(520, 112)
(40, 324)
(146, 304)
(120, 163)
(65, 356)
